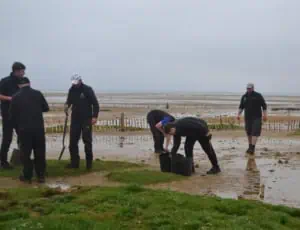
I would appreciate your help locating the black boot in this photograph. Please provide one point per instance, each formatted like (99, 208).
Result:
(72, 166)
(249, 149)
(24, 179)
(89, 165)
(252, 150)
(214, 170)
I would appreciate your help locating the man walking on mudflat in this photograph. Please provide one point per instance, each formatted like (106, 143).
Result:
(255, 110)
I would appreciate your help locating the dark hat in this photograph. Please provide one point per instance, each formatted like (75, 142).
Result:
(18, 66)
(23, 81)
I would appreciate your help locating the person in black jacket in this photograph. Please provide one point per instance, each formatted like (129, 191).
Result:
(156, 120)
(85, 110)
(194, 129)
(8, 87)
(26, 115)
(254, 104)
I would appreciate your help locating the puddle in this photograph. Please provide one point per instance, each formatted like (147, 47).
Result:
(59, 185)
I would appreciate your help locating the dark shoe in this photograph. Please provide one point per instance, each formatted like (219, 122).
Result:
(248, 150)
(89, 165)
(41, 180)
(25, 180)
(6, 166)
(71, 166)
(214, 170)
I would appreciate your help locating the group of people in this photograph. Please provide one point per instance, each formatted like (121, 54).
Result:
(163, 125)
(22, 109)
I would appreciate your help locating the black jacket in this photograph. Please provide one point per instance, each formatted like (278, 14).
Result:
(190, 127)
(26, 109)
(8, 87)
(84, 103)
(253, 104)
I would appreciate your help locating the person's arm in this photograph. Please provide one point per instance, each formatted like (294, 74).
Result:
(176, 145)
(264, 107)
(68, 103)
(45, 106)
(12, 112)
(3, 97)
(95, 103)
(168, 141)
(241, 108)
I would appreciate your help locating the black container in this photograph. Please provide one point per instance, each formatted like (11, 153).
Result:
(182, 165)
(165, 162)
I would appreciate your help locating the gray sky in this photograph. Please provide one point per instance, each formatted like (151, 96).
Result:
(192, 45)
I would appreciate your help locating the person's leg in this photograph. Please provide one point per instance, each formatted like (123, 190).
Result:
(210, 152)
(158, 137)
(75, 133)
(189, 149)
(26, 143)
(256, 132)
(39, 151)
(87, 137)
(7, 135)
(248, 128)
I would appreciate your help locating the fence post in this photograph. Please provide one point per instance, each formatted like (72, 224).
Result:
(122, 122)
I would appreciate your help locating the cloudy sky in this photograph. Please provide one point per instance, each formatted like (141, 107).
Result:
(154, 45)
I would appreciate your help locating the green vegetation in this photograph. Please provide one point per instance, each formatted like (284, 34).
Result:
(57, 168)
(143, 177)
(134, 207)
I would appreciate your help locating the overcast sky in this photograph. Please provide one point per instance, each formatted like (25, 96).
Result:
(187, 45)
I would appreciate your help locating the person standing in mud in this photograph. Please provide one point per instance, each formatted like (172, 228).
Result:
(156, 120)
(194, 129)
(26, 114)
(8, 87)
(255, 110)
(85, 110)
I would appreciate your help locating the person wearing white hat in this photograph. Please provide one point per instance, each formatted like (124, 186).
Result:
(85, 110)
(255, 109)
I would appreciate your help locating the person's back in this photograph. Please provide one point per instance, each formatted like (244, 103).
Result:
(157, 115)
(191, 126)
(29, 107)
(253, 103)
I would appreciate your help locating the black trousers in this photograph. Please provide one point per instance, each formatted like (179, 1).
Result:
(7, 136)
(33, 140)
(206, 146)
(79, 128)
(158, 137)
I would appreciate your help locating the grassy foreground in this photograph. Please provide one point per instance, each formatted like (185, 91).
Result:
(133, 207)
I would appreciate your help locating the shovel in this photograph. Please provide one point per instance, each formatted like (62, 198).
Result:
(64, 136)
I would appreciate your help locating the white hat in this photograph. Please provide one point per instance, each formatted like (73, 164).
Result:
(250, 86)
(76, 78)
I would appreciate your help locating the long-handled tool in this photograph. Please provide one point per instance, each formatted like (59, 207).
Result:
(64, 136)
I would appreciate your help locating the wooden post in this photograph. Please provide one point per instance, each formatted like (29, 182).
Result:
(122, 122)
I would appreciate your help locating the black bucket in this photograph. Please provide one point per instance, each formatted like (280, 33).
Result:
(182, 165)
(165, 162)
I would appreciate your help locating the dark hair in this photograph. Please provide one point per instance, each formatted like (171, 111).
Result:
(23, 81)
(168, 127)
(18, 66)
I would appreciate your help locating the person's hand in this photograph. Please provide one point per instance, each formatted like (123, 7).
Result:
(9, 98)
(166, 150)
(66, 109)
(94, 120)
(265, 118)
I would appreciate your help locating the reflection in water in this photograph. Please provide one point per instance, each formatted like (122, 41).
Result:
(253, 189)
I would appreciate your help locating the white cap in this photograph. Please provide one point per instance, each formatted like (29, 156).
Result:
(250, 86)
(75, 79)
